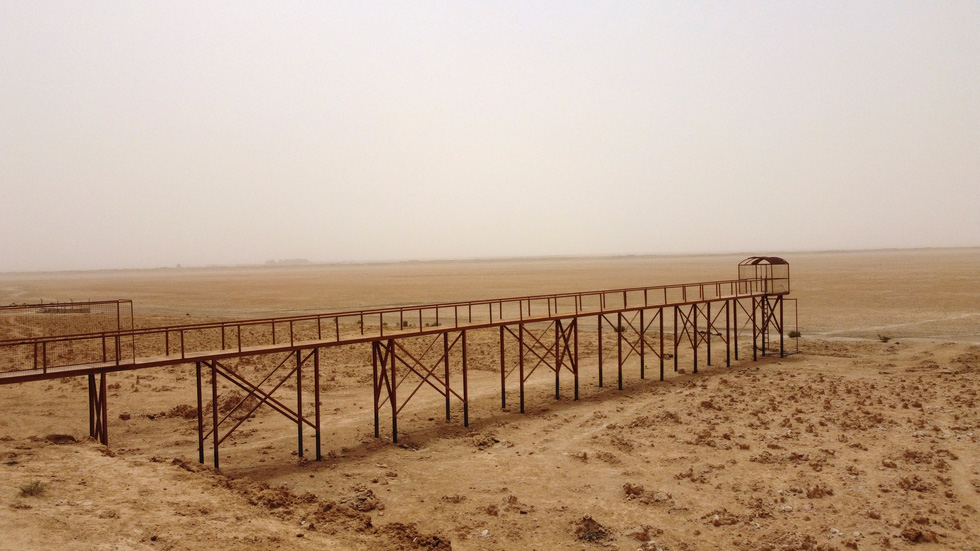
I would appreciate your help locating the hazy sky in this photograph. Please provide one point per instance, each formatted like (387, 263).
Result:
(142, 134)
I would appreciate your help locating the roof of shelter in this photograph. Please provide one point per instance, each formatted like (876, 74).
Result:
(754, 260)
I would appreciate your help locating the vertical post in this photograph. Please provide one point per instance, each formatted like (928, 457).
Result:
(92, 401)
(676, 336)
(694, 333)
(394, 392)
(575, 365)
(558, 355)
(503, 372)
(520, 346)
(600, 317)
(728, 334)
(642, 345)
(755, 329)
(466, 394)
(316, 398)
(782, 351)
(445, 361)
(377, 388)
(736, 305)
(214, 410)
(619, 347)
(710, 326)
(102, 411)
(200, 416)
(661, 314)
(299, 399)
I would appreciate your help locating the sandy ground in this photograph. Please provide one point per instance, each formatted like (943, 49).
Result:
(855, 443)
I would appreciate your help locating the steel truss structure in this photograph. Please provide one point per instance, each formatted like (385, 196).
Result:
(414, 347)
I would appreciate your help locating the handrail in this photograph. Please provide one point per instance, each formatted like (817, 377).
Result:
(369, 323)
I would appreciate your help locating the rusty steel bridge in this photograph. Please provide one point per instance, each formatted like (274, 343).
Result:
(544, 329)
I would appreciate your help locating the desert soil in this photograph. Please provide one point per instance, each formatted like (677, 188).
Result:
(865, 439)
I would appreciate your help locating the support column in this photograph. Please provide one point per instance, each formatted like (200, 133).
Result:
(708, 329)
(299, 401)
(316, 399)
(200, 416)
(98, 426)
(466, 394)
(214, 411)
(619, 348)
(694, 333)
(377, 390)
(737, 304)
(520, 346)
(503, 372)
(661, 344)
(676, 337)
(575, 366)
(558, 359)
(445, 361)
(600, 318)
(782, 351)
(728, 334)
(394, 392)
(643, 332)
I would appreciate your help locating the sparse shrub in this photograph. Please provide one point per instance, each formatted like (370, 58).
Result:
(32, 489)
(884, 338)
(794, 334)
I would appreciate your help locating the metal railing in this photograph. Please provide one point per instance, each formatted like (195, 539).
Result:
(173, 344)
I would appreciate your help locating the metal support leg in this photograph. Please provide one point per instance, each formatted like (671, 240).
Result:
(377, 390)
(575, 365)
(708, 329)
(661, 344)
(694, 333)
(299, 401)
(619, 348)
(520, 346)
(782, 350)
(677, 335)
(214, 412)
(558, 358)
(503, 372)
(642, 347)
(445, 361)
(466, 394)
(97, 409)
(600, 318)
(394, 389)
(728, 334)
(200, 416)
(316, 399)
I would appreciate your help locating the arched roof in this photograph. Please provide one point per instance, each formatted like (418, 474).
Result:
(755, 260)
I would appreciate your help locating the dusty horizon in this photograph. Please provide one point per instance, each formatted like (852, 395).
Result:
(304, 262)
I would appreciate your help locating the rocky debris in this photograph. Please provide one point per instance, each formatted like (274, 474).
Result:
(916, 534)
(588, 529)
(721, 517)
(484, 441)
(363, 500)
(632, 491)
